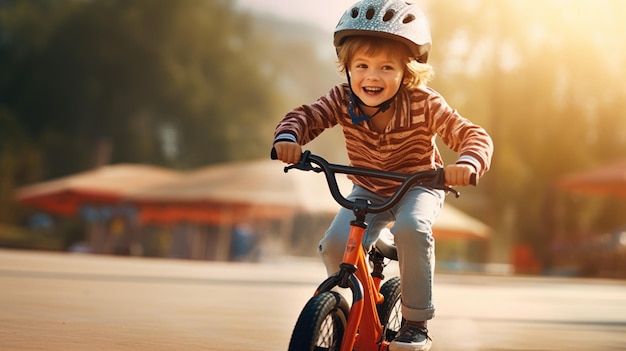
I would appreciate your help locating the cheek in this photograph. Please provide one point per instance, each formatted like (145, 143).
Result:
(353, 84)
(355, 80)
(400, 77)
(396, 79)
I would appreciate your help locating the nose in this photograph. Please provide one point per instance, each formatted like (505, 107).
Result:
(372, 75)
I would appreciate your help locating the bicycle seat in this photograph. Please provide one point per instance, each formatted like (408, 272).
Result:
(386, 245)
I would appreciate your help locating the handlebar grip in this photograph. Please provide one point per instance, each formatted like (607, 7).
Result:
(273, 154)
(474, 179)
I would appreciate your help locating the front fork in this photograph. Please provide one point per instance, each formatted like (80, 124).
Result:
(361, 334)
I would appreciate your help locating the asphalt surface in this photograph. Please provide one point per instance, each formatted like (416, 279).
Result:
(57, 301)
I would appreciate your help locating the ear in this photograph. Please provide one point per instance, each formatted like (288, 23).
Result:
(406, 80)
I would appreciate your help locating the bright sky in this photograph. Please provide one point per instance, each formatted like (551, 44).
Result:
(324, 13)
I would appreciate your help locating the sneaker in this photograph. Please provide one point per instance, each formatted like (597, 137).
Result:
(412, 336)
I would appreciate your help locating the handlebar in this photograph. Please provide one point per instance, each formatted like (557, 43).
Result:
(434, 179)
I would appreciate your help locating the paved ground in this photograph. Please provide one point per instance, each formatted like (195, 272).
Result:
(52, 301)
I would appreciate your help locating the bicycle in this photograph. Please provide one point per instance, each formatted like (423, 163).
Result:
(373, 319)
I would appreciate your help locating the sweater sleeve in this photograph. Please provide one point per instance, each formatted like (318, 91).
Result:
(306, 122)
(470, 141)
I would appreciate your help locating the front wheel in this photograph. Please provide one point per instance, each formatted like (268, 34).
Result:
(321, 323)
(390, 311)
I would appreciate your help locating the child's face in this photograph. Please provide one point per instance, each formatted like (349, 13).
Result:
(375, 78)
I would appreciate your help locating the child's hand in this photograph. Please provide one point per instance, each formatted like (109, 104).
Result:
(288, 151)
(458, 174)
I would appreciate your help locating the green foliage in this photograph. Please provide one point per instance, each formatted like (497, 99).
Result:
(19, 160)
(546, 79)
(119, 73)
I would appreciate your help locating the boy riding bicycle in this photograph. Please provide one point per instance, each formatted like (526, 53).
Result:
(390, 118)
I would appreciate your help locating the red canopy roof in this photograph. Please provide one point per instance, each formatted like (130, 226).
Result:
(608, 180)
(104, 185)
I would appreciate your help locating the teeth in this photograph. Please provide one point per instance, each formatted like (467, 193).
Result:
(372, 90)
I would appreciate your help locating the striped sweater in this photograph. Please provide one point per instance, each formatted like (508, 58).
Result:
(406, 145)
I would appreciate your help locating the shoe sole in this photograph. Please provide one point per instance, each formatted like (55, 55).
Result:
(409, 347)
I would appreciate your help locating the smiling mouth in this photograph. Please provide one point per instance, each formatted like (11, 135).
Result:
(372, 90)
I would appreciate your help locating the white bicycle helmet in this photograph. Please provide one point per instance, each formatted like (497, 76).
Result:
(399, 20)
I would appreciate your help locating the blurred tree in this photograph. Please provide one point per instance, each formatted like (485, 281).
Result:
(119, 80)
(19, 160)
(546, 79)
(25, 28)
(175, 83)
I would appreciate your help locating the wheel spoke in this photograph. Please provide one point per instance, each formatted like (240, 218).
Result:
(326, 333)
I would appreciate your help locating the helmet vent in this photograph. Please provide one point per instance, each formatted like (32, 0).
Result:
(355, 12)
(370, 13)
(388, 15)
(408, 19)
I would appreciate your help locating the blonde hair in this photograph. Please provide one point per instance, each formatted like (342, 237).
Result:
(415, 74)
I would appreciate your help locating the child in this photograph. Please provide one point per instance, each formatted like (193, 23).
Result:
(390, 119)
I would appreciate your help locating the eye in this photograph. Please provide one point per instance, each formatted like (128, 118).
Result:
(388, 68)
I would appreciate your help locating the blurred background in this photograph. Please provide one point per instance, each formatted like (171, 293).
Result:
(143, 127)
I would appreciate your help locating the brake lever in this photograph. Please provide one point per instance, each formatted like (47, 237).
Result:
(439, 181)
(456, 193)
(438, 186)
(304, 164)
(435, 185)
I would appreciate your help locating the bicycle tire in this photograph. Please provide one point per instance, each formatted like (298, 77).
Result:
(390, 311)
(321, 324)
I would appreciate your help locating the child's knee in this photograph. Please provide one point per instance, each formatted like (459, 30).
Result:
(331, 246)
(331, 250)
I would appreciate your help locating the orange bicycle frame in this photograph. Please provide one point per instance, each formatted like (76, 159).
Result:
(363, 330)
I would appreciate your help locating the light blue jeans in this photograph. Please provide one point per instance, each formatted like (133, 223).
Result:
(414, 216)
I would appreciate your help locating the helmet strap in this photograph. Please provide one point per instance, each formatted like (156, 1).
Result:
(356, 103)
